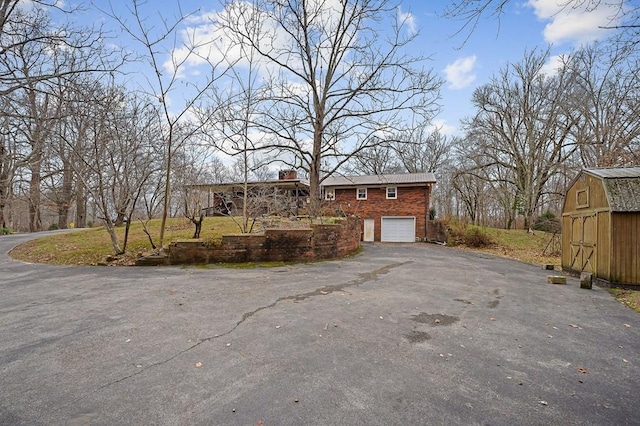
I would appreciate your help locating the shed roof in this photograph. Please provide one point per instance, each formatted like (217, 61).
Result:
(387, 179)
(622, 186)
(617, 172)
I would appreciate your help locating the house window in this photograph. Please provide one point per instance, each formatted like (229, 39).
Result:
(330, 194)
(361, 194)
(392, 193)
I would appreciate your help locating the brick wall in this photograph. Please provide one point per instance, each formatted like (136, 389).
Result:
(286, 245)
(411, 201)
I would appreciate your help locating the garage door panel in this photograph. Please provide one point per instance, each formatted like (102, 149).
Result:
(398, 229)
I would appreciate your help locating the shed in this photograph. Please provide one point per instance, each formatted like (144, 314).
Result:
(601, 225)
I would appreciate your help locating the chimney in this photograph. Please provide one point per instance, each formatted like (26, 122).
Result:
(287, 174)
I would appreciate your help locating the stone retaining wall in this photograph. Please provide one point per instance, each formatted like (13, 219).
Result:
(275, 245)
(437, 231)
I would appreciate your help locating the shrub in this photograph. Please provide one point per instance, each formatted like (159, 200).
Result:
(547, 222)
(5, 231)
(476, 238)
(53, 227)
(456, 230)
(432, 213)
(459, 232)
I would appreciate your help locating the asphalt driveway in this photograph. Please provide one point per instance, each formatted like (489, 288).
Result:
(402, 334)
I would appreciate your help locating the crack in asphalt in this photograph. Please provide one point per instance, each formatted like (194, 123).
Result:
(322, 291)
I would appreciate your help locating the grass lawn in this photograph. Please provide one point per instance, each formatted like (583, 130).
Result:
(539, 247)
(91, 246)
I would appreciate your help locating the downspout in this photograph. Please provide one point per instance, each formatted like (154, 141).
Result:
(428, 211)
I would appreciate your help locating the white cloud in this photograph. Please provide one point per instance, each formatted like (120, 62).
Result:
(205, 40)
(460, 73)
(442, 127)
(408, 20)
(573, 21)
(202, 42)
(553, 65)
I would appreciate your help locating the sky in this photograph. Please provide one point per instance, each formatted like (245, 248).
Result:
(467, 63)
(465, 60)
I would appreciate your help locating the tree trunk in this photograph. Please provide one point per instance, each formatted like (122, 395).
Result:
(3, 203)
(126, 237)
(63, 215)
(81, 207)
(114, 238)
(35, 220)
(146, 231)
(2, 219)
(245, 196)
(37, 137)
(167, 188)
(65, 197)
(198, 225)
(121, 218)
(314, 172)
(4, 184)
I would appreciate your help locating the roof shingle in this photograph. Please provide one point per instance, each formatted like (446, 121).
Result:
(387, 179)
(615, 172)
(623, 194)
(622, 187)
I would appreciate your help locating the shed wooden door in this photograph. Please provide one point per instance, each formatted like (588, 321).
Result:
(584, 248)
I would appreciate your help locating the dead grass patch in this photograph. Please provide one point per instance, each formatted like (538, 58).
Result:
(630, 298)
(537, 248)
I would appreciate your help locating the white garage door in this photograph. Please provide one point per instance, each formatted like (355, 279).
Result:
(398, 229)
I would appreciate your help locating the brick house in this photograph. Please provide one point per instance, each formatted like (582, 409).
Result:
(394, 207)
(286, 195)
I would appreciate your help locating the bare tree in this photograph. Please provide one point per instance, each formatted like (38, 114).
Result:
(230, 117)
(524, 124)
(10, 8)
(217, 171)
(27, 29)
(153, 193)
(117, 154)
(37, 59)
(9, 161)
(379, 158)
(192, 166)
(425, 150)
(167, 78)
(471, 190)
(470, 179)
(59, 180)
(333, 81)
(32, 102)
(71, 149)
(608, 133)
